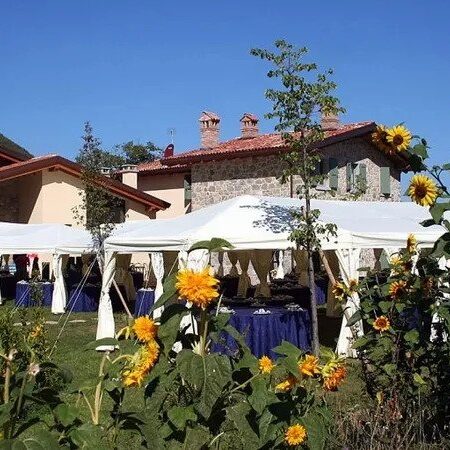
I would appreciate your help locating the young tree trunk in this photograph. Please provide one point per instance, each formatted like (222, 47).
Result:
(313, 303)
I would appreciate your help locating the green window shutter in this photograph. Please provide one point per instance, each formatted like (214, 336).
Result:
(333, 173)
(363, 174)
(316, 173)
(385, 180)
(349, 176)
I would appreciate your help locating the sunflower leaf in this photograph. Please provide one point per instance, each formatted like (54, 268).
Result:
(420, 150)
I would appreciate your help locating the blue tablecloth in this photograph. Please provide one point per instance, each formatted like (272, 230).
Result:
(144, 301)
(85, 299)
(264, 332)
(23, 294)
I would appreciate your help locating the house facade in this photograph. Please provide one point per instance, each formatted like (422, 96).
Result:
(46, 189)
(351, 165)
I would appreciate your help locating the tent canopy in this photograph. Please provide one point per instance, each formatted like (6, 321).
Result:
(52, 238)
(250, 222)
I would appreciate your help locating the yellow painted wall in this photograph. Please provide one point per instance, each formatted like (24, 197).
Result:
(169, 187)
(29, 196)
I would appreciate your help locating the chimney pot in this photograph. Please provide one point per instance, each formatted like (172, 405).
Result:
(249, 125)
(209, 129)
(329, 122)
(168, 152)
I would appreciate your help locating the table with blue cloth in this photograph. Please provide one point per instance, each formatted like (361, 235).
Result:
(84, 298)
(263, 332)
(301, 294)
(145, 299)
(24, 297)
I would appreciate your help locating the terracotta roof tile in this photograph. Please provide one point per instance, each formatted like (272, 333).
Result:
(157, 166)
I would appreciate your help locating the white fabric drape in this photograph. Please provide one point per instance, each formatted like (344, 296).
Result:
(349, 264)
(106, 326)
(436, 319)
(220, 272)
(261, 262)
(157, 260)
(182, 259)
(301, 266)
(333, 307)
(31, 259)
(59, 297)
(244, 279)
(233, 260)
(280, 269)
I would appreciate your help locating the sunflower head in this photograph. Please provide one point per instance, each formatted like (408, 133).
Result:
(335, 378)
(199, 288)
(287, 384)
(397, 289)
(295, 435)
(132, 377)
(411, 244)
(399, 137)
(37, 331)
(339, 291)
(148, 356)
(381, 323)
(145, 329)
(265, 365)
(423, 190)
(309, 366)
(379, 139)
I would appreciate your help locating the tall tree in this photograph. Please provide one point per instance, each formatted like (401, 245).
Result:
(98, 208)
(304, 95)
(134, 153)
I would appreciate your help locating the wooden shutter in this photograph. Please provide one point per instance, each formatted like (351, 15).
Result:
(349, 176)
(385, 180)
(363, 175)
(333, 173)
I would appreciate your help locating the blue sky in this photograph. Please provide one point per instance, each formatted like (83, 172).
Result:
(137, 68)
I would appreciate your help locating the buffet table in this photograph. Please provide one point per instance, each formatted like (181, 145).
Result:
(263, 332)
(145, 298)
(24, 295)
(84, 299)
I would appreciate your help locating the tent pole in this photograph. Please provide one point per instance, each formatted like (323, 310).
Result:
(326, 264)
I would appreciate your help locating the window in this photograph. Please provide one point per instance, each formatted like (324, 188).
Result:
(356, 174)
(385, 181)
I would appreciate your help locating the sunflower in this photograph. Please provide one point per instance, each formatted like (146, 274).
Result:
(381, 323)
(149, 356)
(132, 378)
(399, 137)
(145, 329)
(411, 243)
(266, 365)
(36, 331)
(379, 139)
(423, 190)
(287, 384)
(309, 366)
(295, 435)
(200, 288)
(332, 382)
(397, 289)
(352, 286)
(340, 291)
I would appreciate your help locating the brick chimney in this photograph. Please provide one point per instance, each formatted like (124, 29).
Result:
(329, 122)
(249, 125)
(209, 129)
(130, 175)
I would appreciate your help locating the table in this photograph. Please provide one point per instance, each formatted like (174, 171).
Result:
(264, 332)
(301, 294)
(84, 299)
(23, 294)
(144, 301)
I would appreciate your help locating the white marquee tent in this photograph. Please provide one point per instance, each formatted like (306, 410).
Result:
(265, 223)
(52, 238)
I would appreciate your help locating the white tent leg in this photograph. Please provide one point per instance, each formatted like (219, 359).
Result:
(106, 325)
(280, 269)
(59, 297)
(157, 260)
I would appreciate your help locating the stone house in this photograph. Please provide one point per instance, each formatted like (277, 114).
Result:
(251, 164)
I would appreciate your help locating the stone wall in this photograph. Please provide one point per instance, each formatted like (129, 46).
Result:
(215, 181)
(9, 202)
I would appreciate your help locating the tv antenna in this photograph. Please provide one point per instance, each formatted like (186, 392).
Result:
(171, 132)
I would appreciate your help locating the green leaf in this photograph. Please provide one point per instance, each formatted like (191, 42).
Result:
(438, 210)
(258, 397)
(360, 342)
(87, 436)
(196, 438)
(288, 349)
(179, 415)
(428, 223)
(385, 306)
(168, 331)
(190, 367)
(446, 166)
(214, 245)
(317, 432)
(356, 317)
(442, 246)
(412, 337)
(390, 369)
(238, 414)
(420, 150)
(169, 291)
(101, 342)
(66, 414)
(419, 380)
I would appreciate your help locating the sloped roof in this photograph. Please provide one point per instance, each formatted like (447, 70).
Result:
(13, 151)
(59, 163)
